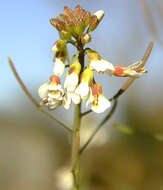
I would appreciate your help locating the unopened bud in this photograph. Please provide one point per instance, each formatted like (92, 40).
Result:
(86, 38)
(65, 35)
(99, 14)
(59, 25)
(95, 20)
(59, 45)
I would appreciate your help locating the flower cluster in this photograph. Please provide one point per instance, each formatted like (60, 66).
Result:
(75, 27)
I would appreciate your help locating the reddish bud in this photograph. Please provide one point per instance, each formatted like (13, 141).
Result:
(55, 79)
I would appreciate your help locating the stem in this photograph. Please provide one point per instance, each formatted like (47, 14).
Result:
(76, 147)
(85, 113)
(76, 130)
(32, 98)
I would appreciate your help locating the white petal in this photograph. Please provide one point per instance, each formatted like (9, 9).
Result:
(90, 98)
(67, 101)
(99, 14)
(55, 87)
(71, 82)
(133, 73)
(102, 66)
(55, 95)
(75, 98)
(135, 65)
(83, 90)
(103, 104)
(43, 90)
(59, 67)
(54, 104)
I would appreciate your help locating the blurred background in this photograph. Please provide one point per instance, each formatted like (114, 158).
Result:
(34, 150)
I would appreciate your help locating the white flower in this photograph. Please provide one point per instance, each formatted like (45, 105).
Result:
(100, 104)
(101, 66)
(86, 80)
(59, 67)
(71, 97)
(59, 64)
(71, 82)
(43, 90)
(135, 70)
(83, 90)
(97, 100)
(72, 77)
(75, 98)
(97, 63)
(51, 93)
(55, 91)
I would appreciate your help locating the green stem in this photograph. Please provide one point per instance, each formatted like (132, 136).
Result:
(76, 130)
(76, 147)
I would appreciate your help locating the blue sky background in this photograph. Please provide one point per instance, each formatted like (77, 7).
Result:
(122, 38)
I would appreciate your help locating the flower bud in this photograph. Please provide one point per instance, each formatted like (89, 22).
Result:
(95, 20)
(59, 25)
(99, 14)
(86, 38)
(65, 35)
(59, 45)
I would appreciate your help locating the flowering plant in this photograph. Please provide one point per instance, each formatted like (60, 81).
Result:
(75, 27)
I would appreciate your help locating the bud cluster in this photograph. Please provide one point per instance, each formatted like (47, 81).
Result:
(73, 23)
(79, 84)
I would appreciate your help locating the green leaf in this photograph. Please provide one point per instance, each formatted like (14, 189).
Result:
(124, 129)
(158, 136)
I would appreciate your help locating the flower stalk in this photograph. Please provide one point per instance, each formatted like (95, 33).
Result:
(76, 131)
(76, 147)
